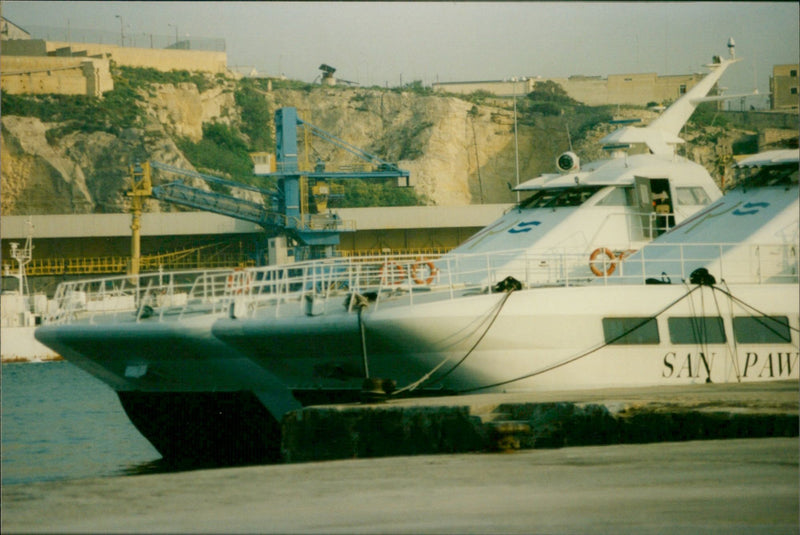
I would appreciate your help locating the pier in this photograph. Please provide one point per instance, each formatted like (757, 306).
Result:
(607, 461)
(536, 420)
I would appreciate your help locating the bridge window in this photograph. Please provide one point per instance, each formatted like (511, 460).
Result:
(619, 196)
(761, 330)
(631, 331)
(556, 197)
(696, 330)
(692, 195)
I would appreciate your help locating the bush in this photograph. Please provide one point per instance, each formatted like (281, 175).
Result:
(361, 193)
(256, 116)
(220, 151)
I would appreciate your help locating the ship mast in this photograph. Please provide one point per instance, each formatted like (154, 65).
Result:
(23, 257)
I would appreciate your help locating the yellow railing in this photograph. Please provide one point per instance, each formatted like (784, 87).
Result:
(119, 264)
(418, 251)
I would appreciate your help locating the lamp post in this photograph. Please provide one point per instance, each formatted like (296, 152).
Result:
(176, 33)
(121, 30)
(516, 139)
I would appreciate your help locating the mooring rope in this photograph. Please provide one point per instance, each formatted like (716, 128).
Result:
(585, 353)
(424, 378)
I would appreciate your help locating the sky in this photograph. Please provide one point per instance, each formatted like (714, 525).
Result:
(399, 42)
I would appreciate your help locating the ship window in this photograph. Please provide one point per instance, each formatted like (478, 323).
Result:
(773, 175)
(693, 195)
(619, 196)
(696, 330)
(761, 330)
(630, 331)
(555, 197)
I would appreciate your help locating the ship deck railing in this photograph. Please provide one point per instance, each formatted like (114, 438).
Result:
(137, 297)
(306, 287)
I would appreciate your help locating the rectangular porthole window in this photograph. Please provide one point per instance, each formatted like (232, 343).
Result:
(630, 331)
(691, 330)
(761, 330)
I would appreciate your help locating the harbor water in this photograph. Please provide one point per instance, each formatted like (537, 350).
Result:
(59, 422)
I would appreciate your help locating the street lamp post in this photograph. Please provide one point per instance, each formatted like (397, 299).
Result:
(516, 139)
(121, 30)
(176, 33)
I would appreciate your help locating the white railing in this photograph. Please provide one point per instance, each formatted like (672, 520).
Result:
(731, 262)
(306, 287)
(138, 297)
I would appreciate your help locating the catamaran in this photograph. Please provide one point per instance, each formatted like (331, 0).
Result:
(205, 364)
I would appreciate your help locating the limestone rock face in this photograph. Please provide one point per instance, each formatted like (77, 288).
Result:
(37, 178)
(457, 152)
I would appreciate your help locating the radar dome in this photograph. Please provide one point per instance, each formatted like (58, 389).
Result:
(568, 162)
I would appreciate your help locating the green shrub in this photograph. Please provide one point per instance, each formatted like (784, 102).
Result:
(256, 116)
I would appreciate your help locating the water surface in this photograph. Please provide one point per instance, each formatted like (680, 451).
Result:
(59, 422)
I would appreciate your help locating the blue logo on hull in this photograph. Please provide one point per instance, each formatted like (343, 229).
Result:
(524, 226)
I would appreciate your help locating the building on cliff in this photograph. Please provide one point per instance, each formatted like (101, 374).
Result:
(633, 89)
(783, 87)
(39, 66)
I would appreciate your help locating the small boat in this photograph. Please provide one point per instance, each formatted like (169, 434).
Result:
(21, 312)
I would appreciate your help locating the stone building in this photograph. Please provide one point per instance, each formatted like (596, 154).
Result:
(783, 87)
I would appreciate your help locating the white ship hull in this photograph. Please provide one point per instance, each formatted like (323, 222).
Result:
(541, 339)
(18, 344)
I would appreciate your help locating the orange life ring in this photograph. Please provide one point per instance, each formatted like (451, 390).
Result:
(415, 269)
(239, 281)
(392, 273)
(610, 266)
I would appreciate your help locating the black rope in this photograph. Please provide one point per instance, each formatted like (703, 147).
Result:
(426, 378)
(734, 351)
(759, 312)
(585, 354)
(485, 332)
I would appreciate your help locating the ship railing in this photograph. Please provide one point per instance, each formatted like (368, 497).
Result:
(756, 263)
(138, 297)
(307, 286)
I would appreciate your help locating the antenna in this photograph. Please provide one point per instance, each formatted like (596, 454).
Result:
(569, 139)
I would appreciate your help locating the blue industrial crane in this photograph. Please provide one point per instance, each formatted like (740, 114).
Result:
(282, 210)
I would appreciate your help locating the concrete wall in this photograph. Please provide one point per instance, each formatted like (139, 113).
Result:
(634, 89)
(156, 58)
(501, 88)
(47, 75)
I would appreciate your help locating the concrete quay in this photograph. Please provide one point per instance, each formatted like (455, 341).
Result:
(530, 420)
(710, 487)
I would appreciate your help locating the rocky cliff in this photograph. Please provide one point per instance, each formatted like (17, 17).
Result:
(457, 152)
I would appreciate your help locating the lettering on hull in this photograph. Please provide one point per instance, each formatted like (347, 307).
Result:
(775, 364)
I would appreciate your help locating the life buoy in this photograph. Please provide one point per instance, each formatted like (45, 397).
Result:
(239, 281)
(611, 265)
(392, 273)
(419, 266)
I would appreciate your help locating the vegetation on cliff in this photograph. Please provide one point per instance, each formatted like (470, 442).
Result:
(459, 148)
